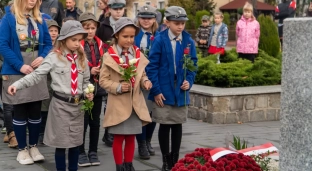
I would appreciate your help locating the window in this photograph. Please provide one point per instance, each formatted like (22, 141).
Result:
(161, 4)
(135, 8)
(148, 3)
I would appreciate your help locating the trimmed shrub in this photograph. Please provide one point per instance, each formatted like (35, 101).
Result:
(237, 72)
(269, 40)
(226, 19)
(199, 15)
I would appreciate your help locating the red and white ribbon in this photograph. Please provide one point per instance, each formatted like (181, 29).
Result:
(220, 152)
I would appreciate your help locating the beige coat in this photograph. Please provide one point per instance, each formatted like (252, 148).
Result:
(119, 106)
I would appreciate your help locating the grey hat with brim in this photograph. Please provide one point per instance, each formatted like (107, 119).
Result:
(123, 22)
(51, 23)
(71, 28)
(88, 16)
(175, 13)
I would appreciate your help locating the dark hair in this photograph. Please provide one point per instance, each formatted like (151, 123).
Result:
(114, 39)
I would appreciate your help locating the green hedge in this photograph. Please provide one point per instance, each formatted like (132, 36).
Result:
(199, 15)
(235, 72)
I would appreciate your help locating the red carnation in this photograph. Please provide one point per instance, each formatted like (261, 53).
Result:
(228, 168)
(181, 160)
(208, 165)
(186, 51)
(212, 169)
(220, 164)
(196, 163)
(191, 166)
(33, 32)
(233, 166)
(152, 38)
(204, 168)
(198, 167)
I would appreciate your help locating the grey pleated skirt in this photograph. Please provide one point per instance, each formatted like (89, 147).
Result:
(133, 125)
(34, 93)
(169, 114)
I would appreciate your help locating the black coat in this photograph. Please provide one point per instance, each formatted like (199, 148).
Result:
(105, 31)
(54, 8)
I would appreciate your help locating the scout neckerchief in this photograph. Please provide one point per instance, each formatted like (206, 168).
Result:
(113, 54)
(74, 73)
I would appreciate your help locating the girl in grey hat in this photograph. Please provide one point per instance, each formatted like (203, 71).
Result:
(126, 110)
(70, 74)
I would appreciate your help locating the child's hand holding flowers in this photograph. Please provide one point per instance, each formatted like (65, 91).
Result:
(88, 103)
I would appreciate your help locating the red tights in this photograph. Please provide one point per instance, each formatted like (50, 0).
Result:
(128, 150)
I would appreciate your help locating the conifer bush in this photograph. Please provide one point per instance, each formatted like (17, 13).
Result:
(269, 40)
(236, 72)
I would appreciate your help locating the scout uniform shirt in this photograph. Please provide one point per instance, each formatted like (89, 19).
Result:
(173, 45)
(60, 71)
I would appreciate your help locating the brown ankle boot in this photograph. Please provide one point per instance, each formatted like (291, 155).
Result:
(6, 138)
(12, 140)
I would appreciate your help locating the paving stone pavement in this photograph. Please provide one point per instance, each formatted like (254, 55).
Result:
(195, 134)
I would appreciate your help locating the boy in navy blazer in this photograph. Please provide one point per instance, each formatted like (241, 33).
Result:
(169, 84)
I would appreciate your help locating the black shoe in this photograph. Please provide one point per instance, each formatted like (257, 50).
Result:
(174, 158)
(143, 152)
(129, 167)
(40, 139)
(83, 160)
(167, 162)
(120, 167)
(93, 158)
(108, 138)
(150, 148)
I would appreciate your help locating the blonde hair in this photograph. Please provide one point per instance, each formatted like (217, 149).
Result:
(249, 7)
(18, 8)
(60, 47)
(154, 26)
(218, 14)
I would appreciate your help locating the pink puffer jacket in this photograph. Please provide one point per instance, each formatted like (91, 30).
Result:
(248, 33)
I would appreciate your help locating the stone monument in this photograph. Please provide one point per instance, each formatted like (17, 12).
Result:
(296, 97)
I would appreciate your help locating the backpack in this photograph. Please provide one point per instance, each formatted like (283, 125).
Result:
(285, 9)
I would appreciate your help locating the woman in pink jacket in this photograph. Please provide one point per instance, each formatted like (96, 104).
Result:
(248, 33)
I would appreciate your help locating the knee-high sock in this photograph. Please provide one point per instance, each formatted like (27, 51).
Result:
(129, 148)
(60, 159)
(73, 155)
(117, 148)
(20, 132)
(34, 130)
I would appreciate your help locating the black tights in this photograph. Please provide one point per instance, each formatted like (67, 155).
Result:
(164, 137)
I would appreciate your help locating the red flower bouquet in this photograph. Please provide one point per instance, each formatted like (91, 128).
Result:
(200, 160)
